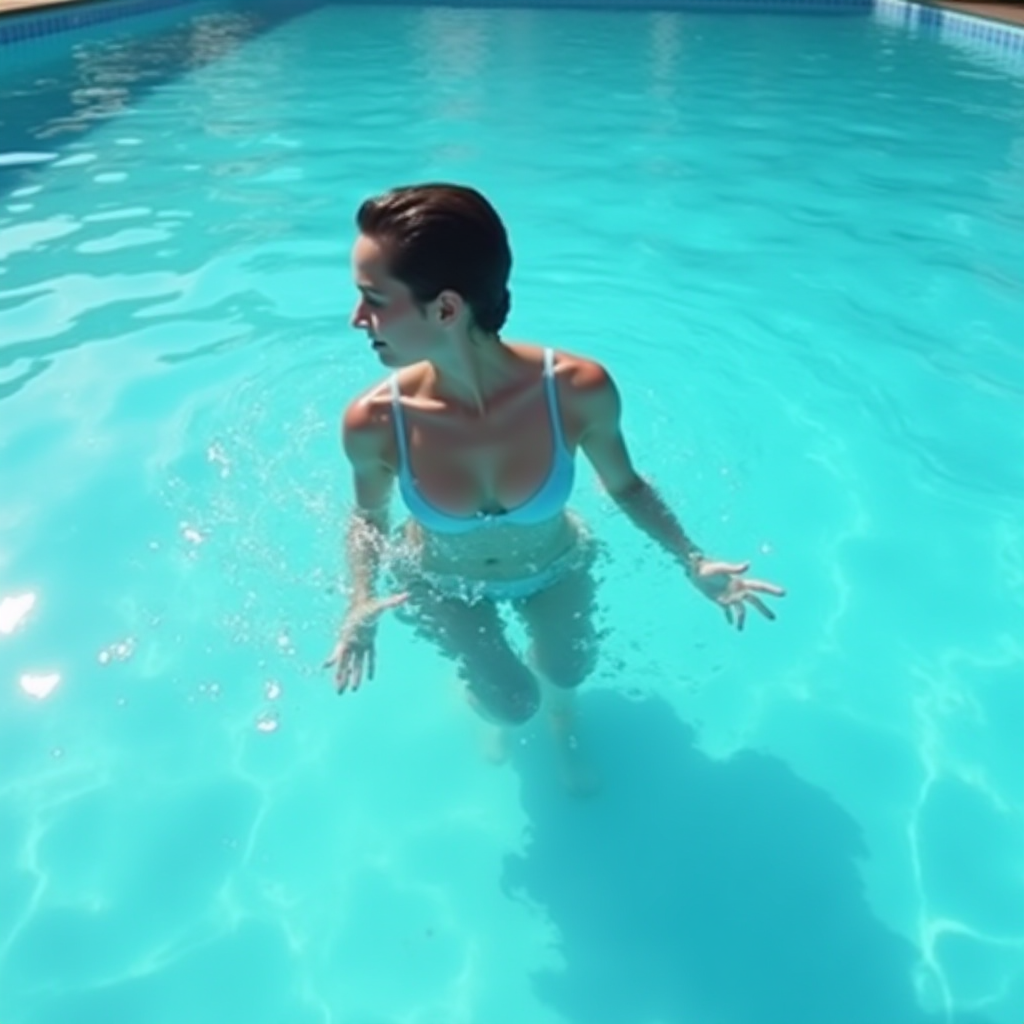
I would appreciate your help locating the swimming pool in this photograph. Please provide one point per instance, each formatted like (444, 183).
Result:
(797, 244)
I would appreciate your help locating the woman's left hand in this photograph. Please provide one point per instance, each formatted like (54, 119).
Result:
(724, 584)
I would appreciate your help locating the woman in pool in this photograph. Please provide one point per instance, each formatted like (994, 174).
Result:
(480, 435)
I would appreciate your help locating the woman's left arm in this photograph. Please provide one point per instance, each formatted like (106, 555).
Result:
(597, 403)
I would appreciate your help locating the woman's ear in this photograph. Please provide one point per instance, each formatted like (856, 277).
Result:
(450, 306)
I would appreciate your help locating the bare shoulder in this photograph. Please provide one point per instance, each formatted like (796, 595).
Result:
(579, 378)
(580, 373)
(585, 386)
(366, 428)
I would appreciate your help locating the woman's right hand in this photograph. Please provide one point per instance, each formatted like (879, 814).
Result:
(353, 655)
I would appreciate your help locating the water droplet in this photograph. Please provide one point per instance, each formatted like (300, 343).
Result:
(57, 752)
(216, 455)
(191, 534)
(267, 721)
(122, 650)
(272, 690)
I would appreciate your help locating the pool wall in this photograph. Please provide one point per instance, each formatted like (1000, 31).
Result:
(979, 35)
(26, 26)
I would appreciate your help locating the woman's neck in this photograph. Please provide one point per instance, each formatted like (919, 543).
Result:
(473, 370)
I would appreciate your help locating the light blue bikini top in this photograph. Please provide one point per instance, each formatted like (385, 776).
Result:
(544, 504)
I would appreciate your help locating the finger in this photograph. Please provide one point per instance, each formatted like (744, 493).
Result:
(382, 604)
(764, 588)
(741, 616)
(379, 606)
(343, 673)
(727, 608)
(357, 672)
(371, 663)
(710, 568)
(761, 606)
(346, 665)
(335, 657)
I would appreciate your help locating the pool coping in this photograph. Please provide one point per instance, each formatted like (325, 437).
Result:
(1002, 13)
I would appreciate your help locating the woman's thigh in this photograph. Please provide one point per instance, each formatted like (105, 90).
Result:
(560, 622)
(473, 635)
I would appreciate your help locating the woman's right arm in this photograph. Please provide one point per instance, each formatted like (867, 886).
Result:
(364, 442)
(364, 438)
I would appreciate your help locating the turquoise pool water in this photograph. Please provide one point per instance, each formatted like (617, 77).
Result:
(797, 243)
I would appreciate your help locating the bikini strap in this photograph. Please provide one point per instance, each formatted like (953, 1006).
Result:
(399, 417)
(552, 395)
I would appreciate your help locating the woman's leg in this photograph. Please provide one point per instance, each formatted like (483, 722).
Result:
(498, 684)
(560, 622)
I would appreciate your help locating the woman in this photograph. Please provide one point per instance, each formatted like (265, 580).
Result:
(480, 436)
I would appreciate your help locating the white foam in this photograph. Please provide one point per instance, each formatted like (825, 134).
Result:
(13, 611)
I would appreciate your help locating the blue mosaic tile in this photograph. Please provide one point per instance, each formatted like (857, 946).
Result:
(22, 27)
(907, 13)
(994, 43)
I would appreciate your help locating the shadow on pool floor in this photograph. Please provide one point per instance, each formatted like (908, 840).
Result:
(725, 892)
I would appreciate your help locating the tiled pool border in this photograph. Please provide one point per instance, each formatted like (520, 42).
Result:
(26, 26)
(953, 26)
(978, 32)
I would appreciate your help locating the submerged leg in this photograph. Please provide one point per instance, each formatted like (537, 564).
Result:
(560, 623)
(499, 686)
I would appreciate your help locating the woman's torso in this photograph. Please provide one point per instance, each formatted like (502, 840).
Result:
(486, 492)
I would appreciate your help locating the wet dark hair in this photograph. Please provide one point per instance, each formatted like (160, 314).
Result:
(439, 236)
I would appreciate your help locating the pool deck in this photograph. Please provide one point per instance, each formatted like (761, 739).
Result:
(996, 10)
(27, 5)
(10, 6)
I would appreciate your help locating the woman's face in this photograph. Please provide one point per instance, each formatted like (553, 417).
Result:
(399, 330)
